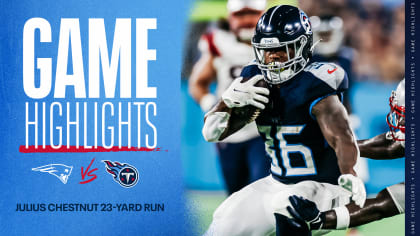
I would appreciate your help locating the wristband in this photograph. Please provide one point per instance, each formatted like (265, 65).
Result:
(343, 217)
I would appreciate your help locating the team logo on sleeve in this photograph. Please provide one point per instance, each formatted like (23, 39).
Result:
(62, 172)
(124, 174)
(304, 19)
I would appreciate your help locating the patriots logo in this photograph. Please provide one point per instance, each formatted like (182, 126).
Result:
(124, 174)
(62, 172)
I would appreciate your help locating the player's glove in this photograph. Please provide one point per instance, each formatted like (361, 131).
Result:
(241, 94)
(356, 186)
(305, 213)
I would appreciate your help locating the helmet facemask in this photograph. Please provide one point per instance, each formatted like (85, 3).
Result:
(396, 118)
(274, 71)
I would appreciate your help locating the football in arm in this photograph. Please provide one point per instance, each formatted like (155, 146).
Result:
(249, 113)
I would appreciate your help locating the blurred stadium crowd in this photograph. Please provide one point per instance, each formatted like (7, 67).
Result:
(374, 29)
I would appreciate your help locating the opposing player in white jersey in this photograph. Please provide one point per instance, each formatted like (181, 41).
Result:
(389, 202)
(223, 54)
(302, 121)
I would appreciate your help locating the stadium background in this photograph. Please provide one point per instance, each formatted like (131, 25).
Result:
(375, 29)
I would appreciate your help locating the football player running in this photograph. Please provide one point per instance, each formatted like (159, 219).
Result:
(302, 121)
(389, 202)
(223, 54)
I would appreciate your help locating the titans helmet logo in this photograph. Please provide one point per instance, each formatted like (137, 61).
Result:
(124, 174)
(304, 20)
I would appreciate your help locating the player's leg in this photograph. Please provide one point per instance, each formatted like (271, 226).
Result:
(233, 165)
(258, 162)
(248, 211)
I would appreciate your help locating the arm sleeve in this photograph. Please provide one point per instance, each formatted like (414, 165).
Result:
(214, 126)
(328, 79)
(250, 70)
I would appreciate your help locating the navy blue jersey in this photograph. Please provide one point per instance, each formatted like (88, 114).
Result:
(292, 135)
(344, 58)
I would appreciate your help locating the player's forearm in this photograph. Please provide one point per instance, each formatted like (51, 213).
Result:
(220, 123)
(375, 209)
(379, 147)
(330, 220)
(342, 140)
(346, 150)
(347, 153)
(201, 94)
(203, 73)
(198, 89)
(220, 107)
(332, 119)
(216, 122)
(224, 119)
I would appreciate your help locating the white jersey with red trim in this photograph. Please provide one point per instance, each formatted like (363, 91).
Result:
(230, 56)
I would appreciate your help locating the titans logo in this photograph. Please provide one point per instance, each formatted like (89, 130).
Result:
(304, 19)
(124, 174)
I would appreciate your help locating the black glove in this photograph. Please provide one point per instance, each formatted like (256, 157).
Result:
(305, 213)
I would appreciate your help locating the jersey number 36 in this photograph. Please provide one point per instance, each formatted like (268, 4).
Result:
(278, 149)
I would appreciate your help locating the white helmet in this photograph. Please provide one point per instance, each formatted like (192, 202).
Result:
(396, 117)
(328, 32)
(245, 32)
(237, 5)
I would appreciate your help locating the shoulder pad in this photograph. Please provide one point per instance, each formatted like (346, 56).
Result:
(250, 70)
(253, 62)
(332, 74)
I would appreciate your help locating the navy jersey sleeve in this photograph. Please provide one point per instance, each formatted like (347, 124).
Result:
(250, 70)
(326, 79)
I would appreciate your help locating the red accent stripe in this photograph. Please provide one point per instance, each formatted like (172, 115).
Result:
(49, 149)
(212, 47)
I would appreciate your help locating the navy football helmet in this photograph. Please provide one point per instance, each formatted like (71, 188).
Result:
(282, 43)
